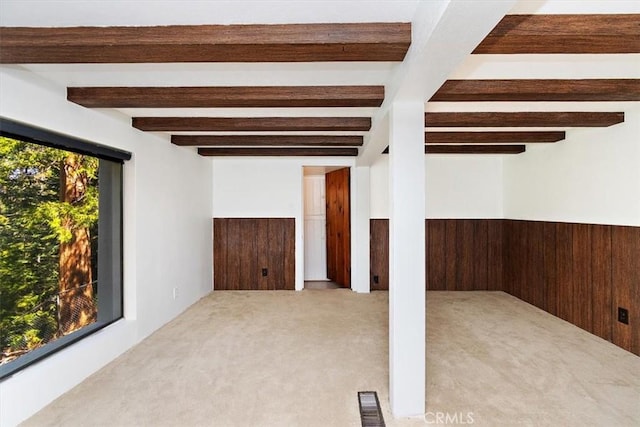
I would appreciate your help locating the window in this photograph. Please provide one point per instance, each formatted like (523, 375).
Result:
(60, 242)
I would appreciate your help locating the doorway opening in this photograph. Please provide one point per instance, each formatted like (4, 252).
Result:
(327, 227)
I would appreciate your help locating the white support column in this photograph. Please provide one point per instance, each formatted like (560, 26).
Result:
(360, 215)
(407, 259)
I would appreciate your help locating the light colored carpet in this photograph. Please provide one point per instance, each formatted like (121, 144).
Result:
(511, 363)
(298, 359)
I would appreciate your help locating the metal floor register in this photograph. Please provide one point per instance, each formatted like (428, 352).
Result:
(370, 413)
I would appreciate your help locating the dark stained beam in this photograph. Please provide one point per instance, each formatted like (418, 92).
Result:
(471, 149)
(539, 90)
(206, 43)
(523, 119)
(277, 152)
(492, 137)
(227, 97)
(475, 149)
(246, 124)
(268, 140)
(524, 34)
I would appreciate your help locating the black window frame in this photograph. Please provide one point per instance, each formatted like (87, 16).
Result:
(110, 237)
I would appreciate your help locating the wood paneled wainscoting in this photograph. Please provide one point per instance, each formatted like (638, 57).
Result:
(581, 273)
(254, 253)
(462, 254)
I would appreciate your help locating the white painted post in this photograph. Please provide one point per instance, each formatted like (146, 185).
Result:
(360, 214)
(407, 259)
(299, 233)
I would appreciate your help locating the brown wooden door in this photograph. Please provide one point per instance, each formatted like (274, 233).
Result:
(338, 227)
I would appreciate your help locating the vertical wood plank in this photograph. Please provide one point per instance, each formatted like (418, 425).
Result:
(601, 280)
(581, 301)
(564, 270)
(480, 254)
(276, 251)
(234, 249)
(625, 245)
(427, 224)
(519, 248)
(464, 243)
(524, 256)
(262, 240)
(517, 259)
(289, 226)
(517, 245)
(535, 272)
(219, 253)
(379, 252)
(508, 259)
(523, 251)
(248, 256)
(495, 244)
(550, 268)
(436, 255)
(451, 254)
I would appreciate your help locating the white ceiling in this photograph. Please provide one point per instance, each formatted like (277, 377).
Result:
(392, 75)
(61, 13)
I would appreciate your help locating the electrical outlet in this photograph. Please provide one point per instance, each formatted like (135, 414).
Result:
(175, 293)
(623, 315)
(376, 279)
(265, 272)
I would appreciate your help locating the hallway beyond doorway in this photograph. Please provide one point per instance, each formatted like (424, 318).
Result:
(320, 284)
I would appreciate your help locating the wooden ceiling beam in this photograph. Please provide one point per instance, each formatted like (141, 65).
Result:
(538, 34)
(475, 149)
(247, 124)
(277, 152)
(227, 97)
(206, 43)
(471, 149)
(492, 137)
(539, 90)
(268, 140)
(523, 119)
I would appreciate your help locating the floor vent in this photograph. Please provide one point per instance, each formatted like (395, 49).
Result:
(370, 413)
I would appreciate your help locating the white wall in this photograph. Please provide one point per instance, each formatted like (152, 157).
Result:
(457, 186)
(591, 177)
(272, 188)
(167, 237)
(257, 188)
